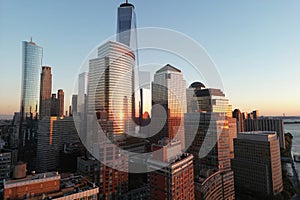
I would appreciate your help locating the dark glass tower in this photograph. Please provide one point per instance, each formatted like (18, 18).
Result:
(126, 27)
(31, 66)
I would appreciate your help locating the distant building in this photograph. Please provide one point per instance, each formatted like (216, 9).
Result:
(45, 92)
(257, 164)
(82, 92)
(31, 65)
(50, 185)
(60, 103)
(74, 103)
(267, 124)
(54, 104)
(239, 120)
(53, 134)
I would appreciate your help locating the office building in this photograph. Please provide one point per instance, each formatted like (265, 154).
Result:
(126, 25)
(217, 186)
(266, 124)
(110, 89)
(168, 90)
(53, 134)
(238, 115)
(45, 92)
(201, 99)
(74, 104)
(60, 103)
(82, 91)
(171, 175)
(31, 65)
(5, 165)
(50, 185)
(257, 164)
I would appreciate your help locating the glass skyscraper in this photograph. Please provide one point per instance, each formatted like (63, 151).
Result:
(110, 87)
(31, 66)
(126, 27)
(169, 90)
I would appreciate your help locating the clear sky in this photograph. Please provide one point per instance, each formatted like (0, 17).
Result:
(255, 44)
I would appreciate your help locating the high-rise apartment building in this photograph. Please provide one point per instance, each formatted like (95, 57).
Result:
(45, 92)
(31, 65)
(169, 91)
(266, 124)
(257, 164)
(60, 103)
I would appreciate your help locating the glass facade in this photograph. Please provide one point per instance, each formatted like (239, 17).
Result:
(110, 88)
(31, 66)
(169, 90)
(126, 27)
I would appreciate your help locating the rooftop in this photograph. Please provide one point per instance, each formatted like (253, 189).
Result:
(266, 136)
(32, 179)
(168, 67)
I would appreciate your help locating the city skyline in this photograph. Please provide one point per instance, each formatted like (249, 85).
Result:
(249, 66)
(147, 111)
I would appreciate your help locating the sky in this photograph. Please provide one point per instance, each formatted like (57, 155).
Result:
(255, 44)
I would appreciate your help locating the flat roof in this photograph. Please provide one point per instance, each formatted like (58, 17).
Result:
(266, 136)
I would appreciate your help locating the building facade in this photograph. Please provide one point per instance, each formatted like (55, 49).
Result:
(31, 66)
(169, 91)
(175, 181)
(126, 25)
(266, 124)
(50, 185)
(45, 92)
(257, 164)
(53, 134)
(60, 103)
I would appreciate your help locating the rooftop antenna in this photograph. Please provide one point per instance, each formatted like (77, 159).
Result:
(31, 39)
(126, 1)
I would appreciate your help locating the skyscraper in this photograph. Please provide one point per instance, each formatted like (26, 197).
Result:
(31, 65)
(169, 90)
(60, 103)
(126, 25)
(74, 103)
(82, 91)
(257, 164)
(45, 92)
(110, 88)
